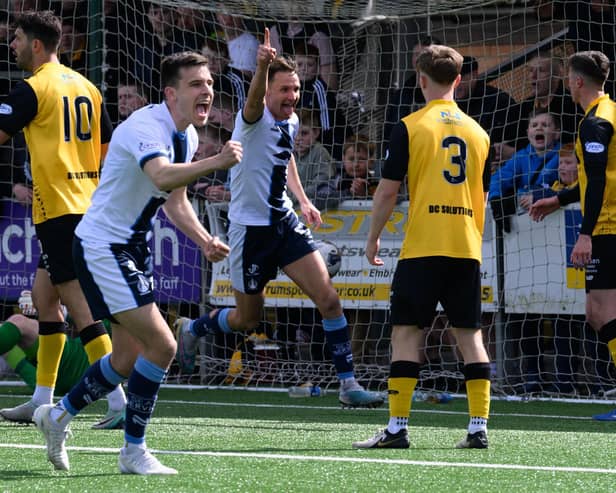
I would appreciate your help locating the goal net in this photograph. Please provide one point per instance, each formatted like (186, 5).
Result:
(532, 297)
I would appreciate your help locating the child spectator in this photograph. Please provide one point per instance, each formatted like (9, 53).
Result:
(567, 177)
(532, 168)
(221, 112)
(316, 95)
(314, 163)
(357, 179)
(213, 186)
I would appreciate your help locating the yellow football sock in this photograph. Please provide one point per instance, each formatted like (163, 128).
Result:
(48, 358)
(478, 394)
(400, 393)
(612, 347)
(98, 347)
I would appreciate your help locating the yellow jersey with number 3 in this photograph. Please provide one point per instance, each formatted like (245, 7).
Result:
(64, 141)
(447, 152)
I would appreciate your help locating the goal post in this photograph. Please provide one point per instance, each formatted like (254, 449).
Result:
(532, 297)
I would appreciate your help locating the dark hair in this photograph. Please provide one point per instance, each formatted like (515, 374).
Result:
(593, 65)
(310, 117)
(131, 82)
(44, 26)
(428, 40)
(543, 111)
(302, 48)
(469, 65)
(359, 142)
(281, 63)
(171, 65)
(441, 63)
(218, 46)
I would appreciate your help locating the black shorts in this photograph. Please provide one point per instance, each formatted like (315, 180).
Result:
(56, 239)
(420, 283)
(601, 272)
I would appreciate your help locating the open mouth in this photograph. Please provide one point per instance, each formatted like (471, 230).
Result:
(540, 138)
(202, 109)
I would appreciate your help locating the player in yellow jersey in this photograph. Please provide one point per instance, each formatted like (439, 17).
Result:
(595, 148)
(443, 152)
(66, 129)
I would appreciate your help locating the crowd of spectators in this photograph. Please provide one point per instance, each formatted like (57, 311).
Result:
(336, 162)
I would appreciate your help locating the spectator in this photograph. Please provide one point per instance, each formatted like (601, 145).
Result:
(191, 26)
(490, 106)
(402, 102)
(241, 44)
(316, 95)
(227, 80)
(567, 177)
(357, 178)
(532, 168)
(72, 50)
(548, 93)
(314, 163)
(221, 112)
(212, 187)
(131, 97)
(286, 37)
(159, 39)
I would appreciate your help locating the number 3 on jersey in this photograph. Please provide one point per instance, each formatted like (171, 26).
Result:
(83, 118)
(458, 159)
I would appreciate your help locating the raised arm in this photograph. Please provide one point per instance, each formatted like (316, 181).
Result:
(255, 101)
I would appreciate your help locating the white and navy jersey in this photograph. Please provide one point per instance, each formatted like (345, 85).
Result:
(126, 200)
(259, 180)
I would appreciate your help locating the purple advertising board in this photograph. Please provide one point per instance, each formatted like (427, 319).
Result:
(177, 261)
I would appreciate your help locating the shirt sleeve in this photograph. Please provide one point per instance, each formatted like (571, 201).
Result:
(106, 126)
(397, 161)
(18, 109)
(595, 136)
(143, 143)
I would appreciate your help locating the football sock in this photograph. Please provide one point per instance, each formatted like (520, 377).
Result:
(607, 334)
(96, 341)
(9, 336)
(42, 394)
(215, 324)
(403, 376)
(477, 377)
(14, 356)
(142, 390)
(339, 344)
(96, 382)
(27, 372)
(51, 344)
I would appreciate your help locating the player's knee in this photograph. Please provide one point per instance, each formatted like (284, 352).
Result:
(328, 303)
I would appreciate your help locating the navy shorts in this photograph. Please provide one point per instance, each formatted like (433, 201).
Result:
(257, 252)
(420, 283)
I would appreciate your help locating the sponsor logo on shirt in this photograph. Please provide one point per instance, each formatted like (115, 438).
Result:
(145, 146)
(6, 109)
(594, 147)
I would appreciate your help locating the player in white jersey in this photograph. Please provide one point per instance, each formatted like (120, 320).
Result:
(265, 234)
(148, 165)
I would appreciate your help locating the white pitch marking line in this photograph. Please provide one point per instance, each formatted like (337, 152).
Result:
(325, 458)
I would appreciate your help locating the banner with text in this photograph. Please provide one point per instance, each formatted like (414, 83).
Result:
(359, 284)
(177, 261)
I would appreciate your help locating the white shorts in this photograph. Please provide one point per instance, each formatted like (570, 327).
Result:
(114, 278)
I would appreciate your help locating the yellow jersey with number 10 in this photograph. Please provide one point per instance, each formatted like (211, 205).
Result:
(447, 155)
(64, 141)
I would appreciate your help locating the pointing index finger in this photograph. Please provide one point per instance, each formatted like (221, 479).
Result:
(266, 38)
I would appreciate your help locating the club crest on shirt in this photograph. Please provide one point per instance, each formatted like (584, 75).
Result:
(594, 147)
